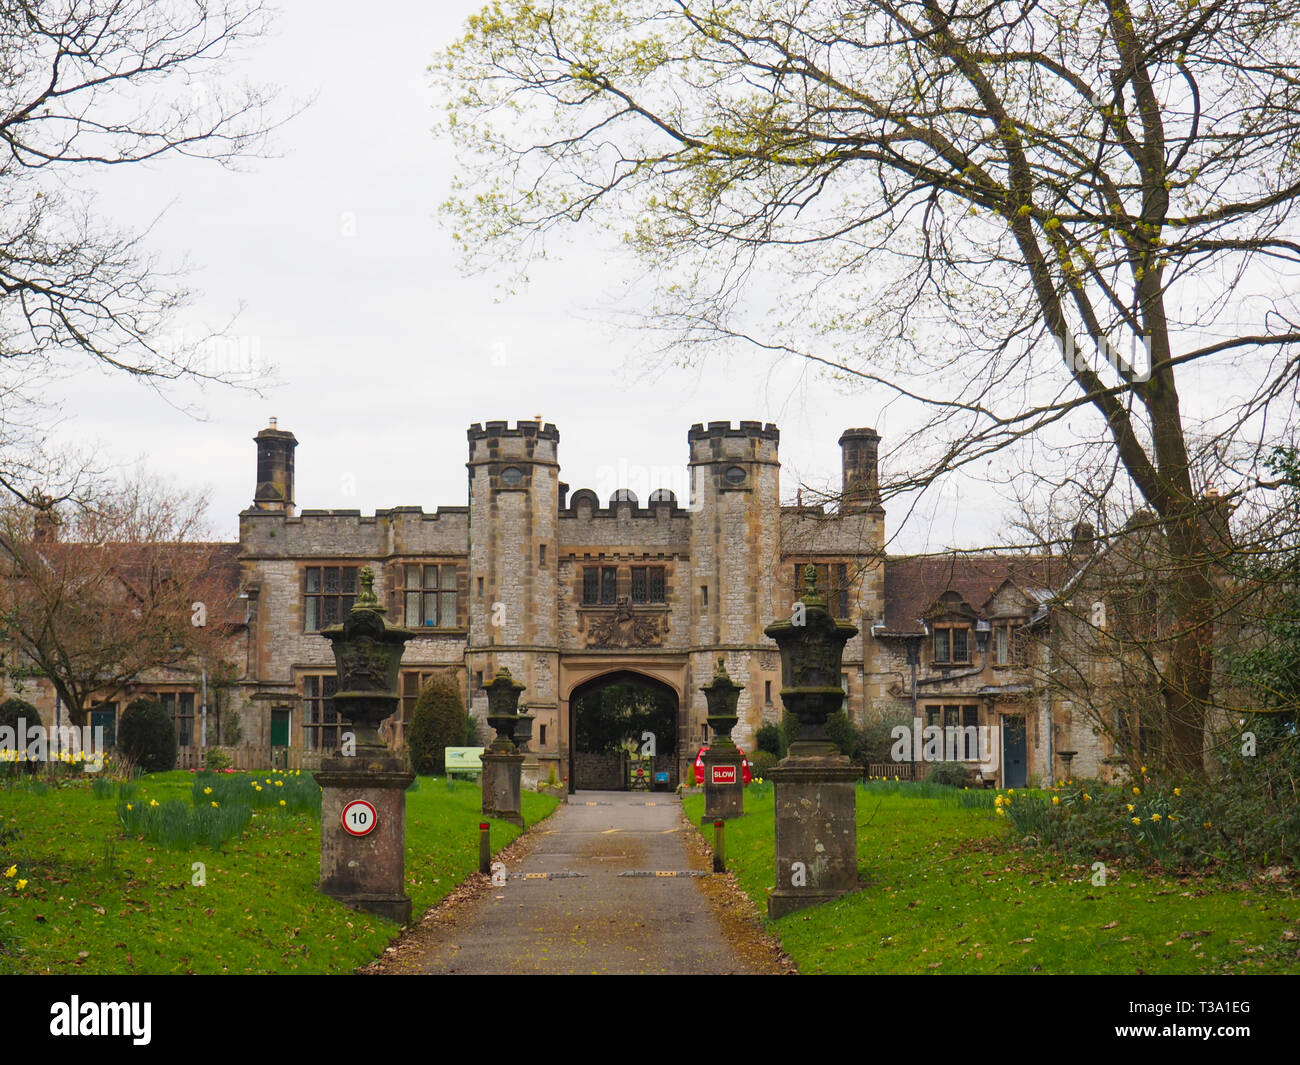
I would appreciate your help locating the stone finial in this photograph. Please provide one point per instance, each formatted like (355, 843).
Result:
(367, 598)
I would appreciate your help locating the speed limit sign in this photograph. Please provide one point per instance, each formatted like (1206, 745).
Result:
(359, 818)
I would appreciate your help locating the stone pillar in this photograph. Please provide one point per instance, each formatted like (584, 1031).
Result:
(365, 872)
(815, 785)
(502, 762)
(724, 782)
(531, 773)
(363, 786)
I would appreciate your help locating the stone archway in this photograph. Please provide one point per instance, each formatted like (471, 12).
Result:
(582, 674)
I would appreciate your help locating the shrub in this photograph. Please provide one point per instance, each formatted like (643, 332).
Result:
(875, 742)
(842, 733)
(952, 774)
(11, 710)
(438, 721)
(761, 762)
(216, 759)
(769, 739)
(145, 736)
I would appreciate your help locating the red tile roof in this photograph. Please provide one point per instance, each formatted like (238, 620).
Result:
(912, 584)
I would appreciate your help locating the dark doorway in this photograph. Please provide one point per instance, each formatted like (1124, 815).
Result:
(618, 724)
(105, 716)
(1013, 752)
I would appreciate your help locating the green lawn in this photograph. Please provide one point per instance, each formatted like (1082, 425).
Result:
(945, 893)
(97, 902)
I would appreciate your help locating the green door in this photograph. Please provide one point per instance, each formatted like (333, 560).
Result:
(105, 717)
(279, 728)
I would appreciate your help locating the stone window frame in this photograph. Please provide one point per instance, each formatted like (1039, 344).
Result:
(319, 719)
(833, 581)
(949, 632)
(404, 591)
(170, 699)
(1008, 629)
(948, 715)
(314, 600)
(649, 597)
(600, 584)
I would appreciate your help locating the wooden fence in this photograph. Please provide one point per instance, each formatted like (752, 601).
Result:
(252, 759)
(889, 771)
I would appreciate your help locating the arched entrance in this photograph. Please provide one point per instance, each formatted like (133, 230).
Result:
(608, 707)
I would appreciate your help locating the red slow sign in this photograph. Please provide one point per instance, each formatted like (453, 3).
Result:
(724, 774)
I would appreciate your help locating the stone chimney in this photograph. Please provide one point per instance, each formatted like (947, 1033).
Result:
(1083, 539)
(45, 523)
(860, 455)
(274, 469)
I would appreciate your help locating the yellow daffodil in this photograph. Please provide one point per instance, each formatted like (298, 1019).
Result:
(1137, 820)
(1011, 791)
(21, 884)
(1178, 791)
(207, 791)
(1001, 812)
(1087, 797)
(215, 805)
(1137, 791)
(279, 783)
(281, 802)
(1205, 824)
(1129, 807)
(1056, 800)
(1144, 770)
(129, 806)
(1172, 817)
(1155, 817)
(11, 870)
(153, 802)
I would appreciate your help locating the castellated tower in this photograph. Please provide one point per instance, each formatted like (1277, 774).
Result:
(735, 550)
(514, 500)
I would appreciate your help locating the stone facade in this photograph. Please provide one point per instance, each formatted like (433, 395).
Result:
(567, 591)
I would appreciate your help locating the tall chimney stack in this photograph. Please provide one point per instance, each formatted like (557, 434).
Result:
(860, 456)
(274, 469)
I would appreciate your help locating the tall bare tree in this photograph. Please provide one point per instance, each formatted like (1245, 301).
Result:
(96, 596)
(1032, 219)
(88, 84)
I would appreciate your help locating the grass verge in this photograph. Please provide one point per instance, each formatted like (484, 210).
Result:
(96, 900)
(945, 892)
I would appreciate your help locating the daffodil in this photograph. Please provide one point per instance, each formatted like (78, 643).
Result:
(1056, 800)
(1087, 797)
(1144, 770)
(11, 870)
(1001, 812)
(1137, 791)
(1178, 791)
(207, 791)
(215, 805)
(1137, 820)
(1205, 824)
(21, 884)
(1129, 807)
(153, 802)
(279, 783)
(129, 806)
(1155, 817)
(281, 802)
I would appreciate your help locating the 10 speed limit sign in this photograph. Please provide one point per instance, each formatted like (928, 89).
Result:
(359, 818)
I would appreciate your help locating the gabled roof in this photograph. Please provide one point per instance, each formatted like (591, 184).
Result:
(913, 584)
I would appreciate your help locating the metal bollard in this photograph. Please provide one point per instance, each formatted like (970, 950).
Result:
(484, 849)
(719, 847)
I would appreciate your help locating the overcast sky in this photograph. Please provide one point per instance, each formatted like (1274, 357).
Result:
(384, 352)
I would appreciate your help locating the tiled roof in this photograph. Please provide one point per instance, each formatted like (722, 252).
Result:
(913, 584)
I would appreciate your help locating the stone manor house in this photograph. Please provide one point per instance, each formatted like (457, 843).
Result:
(571, 593)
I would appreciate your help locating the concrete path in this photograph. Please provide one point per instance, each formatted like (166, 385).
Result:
(565, 908)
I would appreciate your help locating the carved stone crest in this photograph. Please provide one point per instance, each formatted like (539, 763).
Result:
(621, 627)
